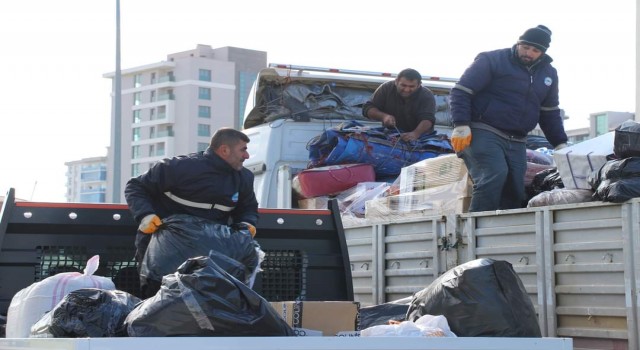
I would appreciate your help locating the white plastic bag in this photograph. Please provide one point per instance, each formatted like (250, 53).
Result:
(425, 326)
(31, 303)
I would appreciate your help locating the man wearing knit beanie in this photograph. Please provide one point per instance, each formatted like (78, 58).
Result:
(539, 37)
(498, 100)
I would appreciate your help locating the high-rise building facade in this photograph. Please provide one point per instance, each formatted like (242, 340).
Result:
(173, 107)
(87, 180)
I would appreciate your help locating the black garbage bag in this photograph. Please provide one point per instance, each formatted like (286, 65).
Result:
(201, 299)
(382, 314)
(480, 298)
(3, 326)
(626, 142)
(184, 236)
(617, 180)
(87, 312)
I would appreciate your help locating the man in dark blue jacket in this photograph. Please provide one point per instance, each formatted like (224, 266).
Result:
(212, 184)
(499, 99)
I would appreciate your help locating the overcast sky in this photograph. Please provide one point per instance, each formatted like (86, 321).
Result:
(55, 104)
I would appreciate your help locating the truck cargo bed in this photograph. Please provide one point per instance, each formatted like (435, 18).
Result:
(306, 253)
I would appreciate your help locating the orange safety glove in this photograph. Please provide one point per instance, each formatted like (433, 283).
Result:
(150, 224)
(461, 138)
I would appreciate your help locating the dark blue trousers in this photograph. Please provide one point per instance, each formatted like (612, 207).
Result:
(497, 167)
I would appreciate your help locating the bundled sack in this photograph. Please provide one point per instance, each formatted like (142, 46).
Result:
(31, 303)
(626, 142)
(560, 196)
(617, 180)
(480, 298)
(184, 236)
(87, 312)
(201, 299)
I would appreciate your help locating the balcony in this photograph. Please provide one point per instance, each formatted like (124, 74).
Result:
(166, 78)
(164, 97)
(164, 133)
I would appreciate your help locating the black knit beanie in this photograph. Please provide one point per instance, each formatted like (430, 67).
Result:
(539, 37)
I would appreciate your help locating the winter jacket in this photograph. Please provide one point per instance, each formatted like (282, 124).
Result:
(200, 184)
(499, 91)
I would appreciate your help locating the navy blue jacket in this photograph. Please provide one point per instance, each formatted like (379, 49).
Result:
(187, 184)
(499, 91)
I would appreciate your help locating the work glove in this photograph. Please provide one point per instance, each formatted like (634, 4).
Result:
(150, 224)
(460, 138)
(560, 146)
(245, 226)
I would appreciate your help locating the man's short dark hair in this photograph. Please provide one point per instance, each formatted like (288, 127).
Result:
(410, 74)
(227, 136)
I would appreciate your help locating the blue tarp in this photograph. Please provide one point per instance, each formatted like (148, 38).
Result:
(352, 142)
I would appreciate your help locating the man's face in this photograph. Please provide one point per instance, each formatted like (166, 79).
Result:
(528, 54)
(406, 87)
(235, 155)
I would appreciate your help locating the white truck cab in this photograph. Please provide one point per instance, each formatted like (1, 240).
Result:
(290, 105)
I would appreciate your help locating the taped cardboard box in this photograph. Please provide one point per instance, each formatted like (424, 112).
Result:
(575, 163)
(329, 317)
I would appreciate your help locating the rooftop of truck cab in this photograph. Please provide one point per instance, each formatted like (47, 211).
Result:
(282, 75)
(270, 101)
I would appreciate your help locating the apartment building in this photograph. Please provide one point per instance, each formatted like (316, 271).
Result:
(173, 107)
(87, 180)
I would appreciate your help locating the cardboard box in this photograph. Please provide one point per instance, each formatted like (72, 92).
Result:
(575, 163)
(432, 172)
(329, 317)
(321, 202)
(440, 200)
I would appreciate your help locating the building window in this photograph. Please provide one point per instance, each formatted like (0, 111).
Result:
(152, 132)
(152, 96)
(137, 98)
(204, 93)
(160, 151)
(204, 75)
(135, 135)
(136, 116)
(204, 130)
(152, 114)
(202, 146)
(245, 82)
(153, 78)
(204, 112)
(135, 152)
(137, 80)
(602, 124)
(162, 112)
(135, 169)
(152, 150)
